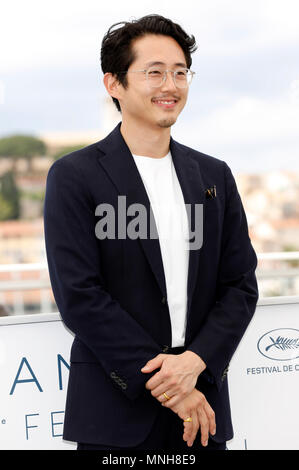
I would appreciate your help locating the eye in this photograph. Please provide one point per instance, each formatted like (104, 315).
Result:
(182, 73)
(155, 72)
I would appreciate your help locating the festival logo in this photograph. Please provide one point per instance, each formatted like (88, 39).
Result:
(281, 344)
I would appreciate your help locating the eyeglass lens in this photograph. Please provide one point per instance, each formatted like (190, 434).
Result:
(182, 77)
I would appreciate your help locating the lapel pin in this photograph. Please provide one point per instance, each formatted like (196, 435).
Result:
(211, 192)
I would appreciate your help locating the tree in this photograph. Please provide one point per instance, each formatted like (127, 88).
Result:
(68, 149)
(26, 146)
(288, 248)
(9, 197)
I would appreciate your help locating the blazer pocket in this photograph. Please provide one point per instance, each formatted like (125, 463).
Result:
(211, 205)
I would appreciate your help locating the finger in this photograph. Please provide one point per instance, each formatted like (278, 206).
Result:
(175, 398)
(161, 388)
(154, 381)
(161, 382)
(211, 417)
(187, 433)
(204, 427)
(194, 429)
(188, 426)
(153, 364)
(162, 398)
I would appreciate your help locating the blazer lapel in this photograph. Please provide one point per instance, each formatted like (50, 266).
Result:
(119, 164)
(122, 170)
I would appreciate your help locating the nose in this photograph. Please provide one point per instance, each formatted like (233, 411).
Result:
(169, 82)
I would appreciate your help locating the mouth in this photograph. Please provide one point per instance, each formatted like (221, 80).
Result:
(166, 104)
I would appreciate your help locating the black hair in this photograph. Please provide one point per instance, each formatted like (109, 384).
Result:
(116, 51)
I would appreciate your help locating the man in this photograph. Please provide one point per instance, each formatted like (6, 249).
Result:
(156, 318)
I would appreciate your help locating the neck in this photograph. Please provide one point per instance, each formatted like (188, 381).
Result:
(146, 141)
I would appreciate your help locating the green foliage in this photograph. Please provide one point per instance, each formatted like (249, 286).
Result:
(17, 146)
(33, 195)
(293, 263)
(6, 209)
(9, 197)
(68, 149)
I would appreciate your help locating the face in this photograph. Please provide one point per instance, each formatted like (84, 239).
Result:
(139, 101)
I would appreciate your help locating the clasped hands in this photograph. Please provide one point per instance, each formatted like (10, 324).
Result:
(177, 378)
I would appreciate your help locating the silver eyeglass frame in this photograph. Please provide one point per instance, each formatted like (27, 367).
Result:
(173, 72)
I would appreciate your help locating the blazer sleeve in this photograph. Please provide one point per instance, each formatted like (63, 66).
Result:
(237, 290)
(117, 340)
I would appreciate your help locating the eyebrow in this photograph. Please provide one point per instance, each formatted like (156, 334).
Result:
(178, 64)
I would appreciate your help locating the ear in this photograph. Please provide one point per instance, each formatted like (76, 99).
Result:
(112, 85)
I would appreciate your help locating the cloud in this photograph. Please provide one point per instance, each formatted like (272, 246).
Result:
(2, 92)
(60, 31)
(243, 106)
(250, 133)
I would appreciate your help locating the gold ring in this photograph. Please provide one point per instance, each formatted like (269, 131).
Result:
(188, 420)
(166, 396)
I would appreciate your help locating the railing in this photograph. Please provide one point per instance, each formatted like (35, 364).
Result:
(277, 280)
(14, 288)
(279, 256)
(275, 274)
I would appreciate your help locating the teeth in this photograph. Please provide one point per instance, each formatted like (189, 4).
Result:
(165, 102)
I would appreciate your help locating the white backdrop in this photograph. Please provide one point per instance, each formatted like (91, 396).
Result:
(263, 379)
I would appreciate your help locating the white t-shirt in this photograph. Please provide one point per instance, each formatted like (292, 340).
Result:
(164, 192)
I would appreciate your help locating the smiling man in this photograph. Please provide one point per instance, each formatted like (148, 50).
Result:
(156, 321)
(150, 97)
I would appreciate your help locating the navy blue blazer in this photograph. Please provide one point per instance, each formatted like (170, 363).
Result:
(111, 293)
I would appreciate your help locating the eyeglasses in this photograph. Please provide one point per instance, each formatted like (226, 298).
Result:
(156, 76)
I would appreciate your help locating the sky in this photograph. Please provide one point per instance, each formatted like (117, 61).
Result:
(243, 104)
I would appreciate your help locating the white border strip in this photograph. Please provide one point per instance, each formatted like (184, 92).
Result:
(30, 318)
(279, 300)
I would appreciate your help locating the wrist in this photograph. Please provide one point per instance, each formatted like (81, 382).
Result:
(200, 365)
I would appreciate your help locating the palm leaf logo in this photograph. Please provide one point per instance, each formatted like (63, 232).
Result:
(283, 343)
